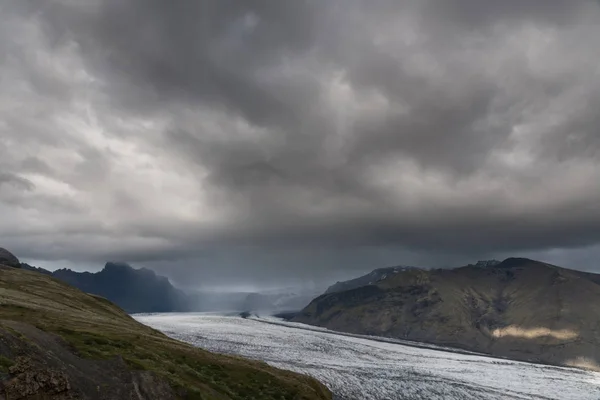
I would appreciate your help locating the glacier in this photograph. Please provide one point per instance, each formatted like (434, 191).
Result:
(362, 368)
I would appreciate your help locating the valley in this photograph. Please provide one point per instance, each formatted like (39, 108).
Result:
(357, 368)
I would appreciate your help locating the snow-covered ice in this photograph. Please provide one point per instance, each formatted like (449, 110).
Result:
(358, 368)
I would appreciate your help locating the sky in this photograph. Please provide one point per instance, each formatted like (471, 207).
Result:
(266, 142)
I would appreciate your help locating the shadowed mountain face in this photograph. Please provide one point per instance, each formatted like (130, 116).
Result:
(134, 290)
(519, 308)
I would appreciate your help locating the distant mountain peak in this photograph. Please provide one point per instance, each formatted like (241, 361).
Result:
(8, 258)
(135, 290)
(117, 265)
(123, 268)
(487, 263)
(511, 262)
(514, 262)
(377, 275)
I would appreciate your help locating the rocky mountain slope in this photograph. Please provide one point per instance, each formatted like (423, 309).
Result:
(520, 308)
(57, 342)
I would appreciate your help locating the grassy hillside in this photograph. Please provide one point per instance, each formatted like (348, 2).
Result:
(520, 308)
(57, 342)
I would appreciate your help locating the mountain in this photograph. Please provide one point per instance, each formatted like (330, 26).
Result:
(35, 269)
(8, 258)
(134, 290)
(276, 302)
(519, 308)
(272, 301)
(59, 343)
(368, 279)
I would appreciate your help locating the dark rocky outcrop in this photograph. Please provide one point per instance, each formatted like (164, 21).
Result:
(7, 258)
(28, 380)
(519, 308)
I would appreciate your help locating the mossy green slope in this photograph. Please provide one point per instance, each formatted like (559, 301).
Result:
(92, 328)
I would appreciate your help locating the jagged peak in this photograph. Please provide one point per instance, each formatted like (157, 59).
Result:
(117, 265)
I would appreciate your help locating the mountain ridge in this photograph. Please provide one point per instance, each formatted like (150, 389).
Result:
(520, 308)
(134, 290)
(367, 279)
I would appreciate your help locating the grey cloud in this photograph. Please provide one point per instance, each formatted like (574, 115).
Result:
(443, 131)
(483, 13)
(15, 181)
(188, 50)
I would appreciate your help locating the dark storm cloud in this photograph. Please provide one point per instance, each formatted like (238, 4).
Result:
(430, 131)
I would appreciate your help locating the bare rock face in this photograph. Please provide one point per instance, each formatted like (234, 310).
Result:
(8, 258)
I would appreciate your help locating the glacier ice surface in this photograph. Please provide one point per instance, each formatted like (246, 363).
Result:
(359, 368)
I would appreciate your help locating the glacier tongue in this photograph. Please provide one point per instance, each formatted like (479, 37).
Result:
(363, 369)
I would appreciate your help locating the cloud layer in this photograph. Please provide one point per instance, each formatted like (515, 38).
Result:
(313, 133)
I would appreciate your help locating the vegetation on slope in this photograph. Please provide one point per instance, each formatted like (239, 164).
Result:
(45, 321)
